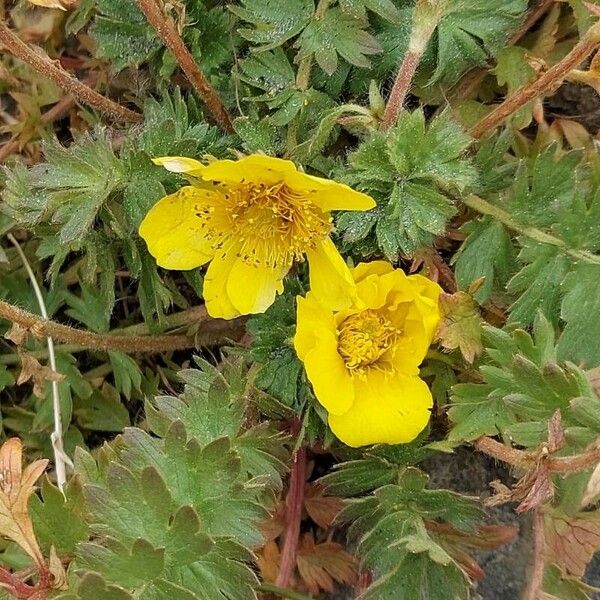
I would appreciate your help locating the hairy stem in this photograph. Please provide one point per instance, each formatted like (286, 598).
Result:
(401, 86)
(549, 80)
(487, 208)
(213, 331)
(536, 577)
(44, 65)
(294, 503)
(521, 458)
(168, 34)
(500, 451)
(426, 16)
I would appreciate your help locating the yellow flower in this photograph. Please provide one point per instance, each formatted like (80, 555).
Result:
(363, 361)
(251, 219)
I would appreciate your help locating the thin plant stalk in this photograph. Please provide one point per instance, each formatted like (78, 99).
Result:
(61, 460)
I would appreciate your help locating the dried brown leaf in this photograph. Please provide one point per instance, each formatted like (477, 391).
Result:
(571, 541)
(57, 571)
(17, 334)
(321, 509)
(592, 489)
(556, 432)
(461, 325)
(322, 565)
(531, 491)
(32, 369)
(273, 527)
(16, 486)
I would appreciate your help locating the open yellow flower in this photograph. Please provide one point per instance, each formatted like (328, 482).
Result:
(363, 361)
(251, 219)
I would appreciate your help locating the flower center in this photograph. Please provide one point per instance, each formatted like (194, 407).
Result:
(364, 337)
(276, 225)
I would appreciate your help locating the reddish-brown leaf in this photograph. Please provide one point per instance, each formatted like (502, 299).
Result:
(322, 565)
(268, 560)
(572, 541)
(320, 508)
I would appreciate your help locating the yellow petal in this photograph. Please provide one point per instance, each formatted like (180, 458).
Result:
(217, 301)
(173, 232)
(377, 267)
(180, 164)
(427, 294)
(252, 289)
(330, 278)
(327, 194)
(312, 321)
(254, 168)
(331, 381)
(386, 410)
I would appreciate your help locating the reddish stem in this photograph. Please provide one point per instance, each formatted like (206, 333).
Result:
(521, 458)
(536, 578)
(168, 34)
(294, 503)
(15, 586)
(402, 83)
(551, 78)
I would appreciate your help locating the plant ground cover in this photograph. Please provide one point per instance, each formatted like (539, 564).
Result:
(299, 299)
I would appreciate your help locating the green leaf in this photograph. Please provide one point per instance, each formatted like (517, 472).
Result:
(102, 411)
(522, 383)
(212, 407)
(69, 189)
(487, 252)
(539, 282)
(93, 587)
(544, 187)
(384, 8)
(123, 34)
(176, 513)
(337, 33)
(126, 372)
(392, 539)
(281, 374)
(410, 173)
(58, 520)
(359, 476)
(257, 136)
(580, 309)
(274, 21)
(269, 71)
(513, 71)
(470, 31)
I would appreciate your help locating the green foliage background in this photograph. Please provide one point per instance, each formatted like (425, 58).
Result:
(170, 493)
